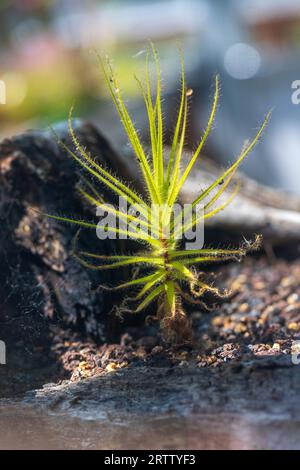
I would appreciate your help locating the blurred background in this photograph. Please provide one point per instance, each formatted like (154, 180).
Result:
(47, 61)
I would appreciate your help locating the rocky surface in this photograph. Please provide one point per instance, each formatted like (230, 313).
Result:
(254, 385)
(253, 404)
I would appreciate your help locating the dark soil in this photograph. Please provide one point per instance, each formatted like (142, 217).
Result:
(261, 319)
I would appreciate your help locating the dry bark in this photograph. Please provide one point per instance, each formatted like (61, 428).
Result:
(41, 284)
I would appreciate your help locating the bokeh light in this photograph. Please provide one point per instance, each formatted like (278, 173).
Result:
(242, 61)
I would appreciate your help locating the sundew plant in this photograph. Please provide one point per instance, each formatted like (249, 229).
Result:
(168, 275)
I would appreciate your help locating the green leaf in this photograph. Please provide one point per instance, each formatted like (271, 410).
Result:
(119, 264)
(140, 280)
(234, 166)
(159, 126)
(152, 296)
(120, 215)
(116, 189)
(178, 123)
(156, 278)
(173, 189)
(213, 212)
(131, 132)
(82, 223)
(170, 295)
(202, 142)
